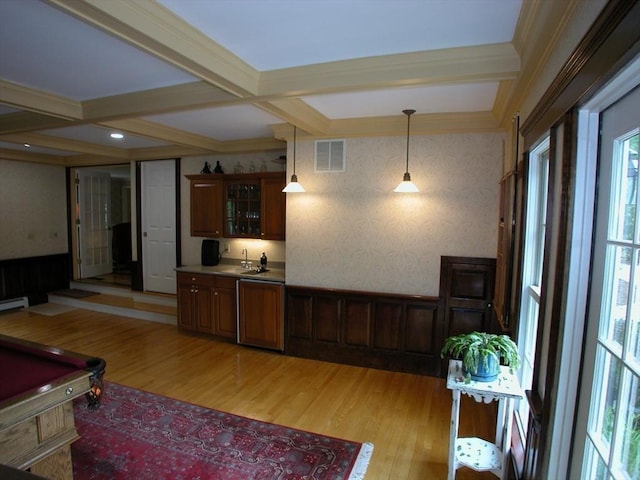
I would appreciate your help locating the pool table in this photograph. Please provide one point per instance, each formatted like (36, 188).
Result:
(38, 384)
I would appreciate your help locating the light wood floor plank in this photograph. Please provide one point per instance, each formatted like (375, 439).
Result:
(405, 416)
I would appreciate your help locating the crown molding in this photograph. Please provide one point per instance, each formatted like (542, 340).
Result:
(538, 19)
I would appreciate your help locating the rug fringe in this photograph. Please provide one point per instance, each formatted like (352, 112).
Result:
(362, 462)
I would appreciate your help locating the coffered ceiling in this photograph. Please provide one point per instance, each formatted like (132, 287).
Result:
(196, 77)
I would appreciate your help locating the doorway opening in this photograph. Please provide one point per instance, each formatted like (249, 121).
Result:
(102, 227)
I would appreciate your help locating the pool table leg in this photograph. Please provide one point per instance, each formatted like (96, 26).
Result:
(56, 466)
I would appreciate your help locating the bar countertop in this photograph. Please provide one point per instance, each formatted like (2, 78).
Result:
(235, 270)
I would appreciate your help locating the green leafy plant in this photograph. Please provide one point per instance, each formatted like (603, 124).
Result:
(475, 347)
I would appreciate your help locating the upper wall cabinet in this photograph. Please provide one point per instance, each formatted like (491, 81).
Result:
(274, 208)
(206, 205)
(239, 205)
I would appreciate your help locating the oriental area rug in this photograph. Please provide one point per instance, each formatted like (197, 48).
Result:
(140, 435)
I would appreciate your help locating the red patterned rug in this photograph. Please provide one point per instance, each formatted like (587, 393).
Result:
(140, 435)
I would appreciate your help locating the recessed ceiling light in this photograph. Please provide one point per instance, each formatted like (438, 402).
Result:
(117, 136)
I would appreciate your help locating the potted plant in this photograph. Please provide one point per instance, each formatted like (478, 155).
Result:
(481, 354)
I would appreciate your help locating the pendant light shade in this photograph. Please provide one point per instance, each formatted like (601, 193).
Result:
(293, 186)
(407, 186)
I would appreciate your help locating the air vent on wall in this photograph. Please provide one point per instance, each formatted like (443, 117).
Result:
(330, 155)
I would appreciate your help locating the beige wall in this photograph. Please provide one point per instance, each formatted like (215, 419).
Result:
(363, 237)
(351, 231)
(33, 216)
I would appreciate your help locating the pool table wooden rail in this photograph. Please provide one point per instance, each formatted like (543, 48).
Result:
(37, 426)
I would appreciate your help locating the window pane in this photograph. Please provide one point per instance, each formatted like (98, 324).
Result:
(605, 390)
(628, 460)
(615, 297)
(527, 353)
(595, 468)
(624, 199)
(634, 323)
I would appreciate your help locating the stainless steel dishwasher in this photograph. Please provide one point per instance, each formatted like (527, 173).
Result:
(261, 313)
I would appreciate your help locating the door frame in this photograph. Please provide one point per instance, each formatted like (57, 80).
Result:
(137, 275)
(72, 214)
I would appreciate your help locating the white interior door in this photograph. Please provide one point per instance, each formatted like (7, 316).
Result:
(94, 194)
(159, 226)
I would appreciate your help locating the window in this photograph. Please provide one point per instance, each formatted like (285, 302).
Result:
(533, 255)
(612, 446)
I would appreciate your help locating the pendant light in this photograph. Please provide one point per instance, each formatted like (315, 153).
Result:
(293, 186)
(407, 186)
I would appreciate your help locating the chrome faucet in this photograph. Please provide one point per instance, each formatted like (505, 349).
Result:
(245, 264)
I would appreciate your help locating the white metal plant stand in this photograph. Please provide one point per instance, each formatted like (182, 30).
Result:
(476, 453)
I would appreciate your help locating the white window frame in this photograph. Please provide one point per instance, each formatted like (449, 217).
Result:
(568, 425)
(533, 257)
(600, 343)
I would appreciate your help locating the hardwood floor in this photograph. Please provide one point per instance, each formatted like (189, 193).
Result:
(405, 416)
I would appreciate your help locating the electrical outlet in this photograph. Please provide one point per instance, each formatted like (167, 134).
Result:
(226, 248)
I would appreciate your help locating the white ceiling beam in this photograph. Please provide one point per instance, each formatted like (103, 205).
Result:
(66, 144)
(163, 133)
(33, 157)
(153, 28)
(421, 124)
(188, 96)
(298, 113)
(25, 98)
(28, 121)
(447, 66)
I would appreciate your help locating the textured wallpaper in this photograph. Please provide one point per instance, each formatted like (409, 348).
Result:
(33, 210)
(351, 231)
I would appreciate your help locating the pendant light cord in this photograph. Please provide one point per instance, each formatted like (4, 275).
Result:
(294, 149)
(408, 113)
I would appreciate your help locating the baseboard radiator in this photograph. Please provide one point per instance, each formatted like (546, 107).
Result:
(14, 303)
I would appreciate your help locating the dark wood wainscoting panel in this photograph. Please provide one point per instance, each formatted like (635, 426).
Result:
(34, 277)
(376, 330)
(301, 308)
(387, 320)
(422, 318)
(357, 322)
(326, 319)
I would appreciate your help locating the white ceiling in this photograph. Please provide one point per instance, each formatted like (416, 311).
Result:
(255, 63)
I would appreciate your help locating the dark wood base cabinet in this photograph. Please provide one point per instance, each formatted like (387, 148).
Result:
(260, 322)
(207, 303)
(385, 331)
